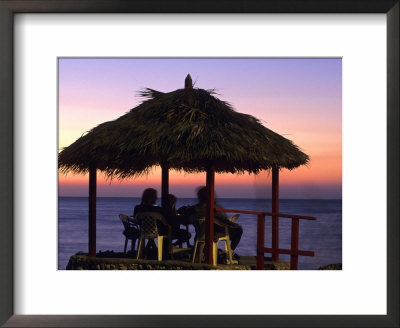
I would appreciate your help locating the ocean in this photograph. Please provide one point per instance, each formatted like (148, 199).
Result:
(323, 236)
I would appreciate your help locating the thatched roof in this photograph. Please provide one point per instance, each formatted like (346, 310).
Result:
(186, 129)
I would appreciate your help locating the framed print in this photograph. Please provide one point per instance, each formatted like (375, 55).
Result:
(38, 36)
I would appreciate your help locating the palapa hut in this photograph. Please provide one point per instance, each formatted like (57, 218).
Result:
(188, 129)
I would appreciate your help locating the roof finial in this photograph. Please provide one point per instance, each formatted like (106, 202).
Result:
(188, 82)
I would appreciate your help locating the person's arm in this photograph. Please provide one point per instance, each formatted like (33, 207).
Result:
(186, 214)
(220, 221)
(135, 211)
(225, 223)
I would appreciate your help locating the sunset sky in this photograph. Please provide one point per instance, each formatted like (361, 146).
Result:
(300, 99)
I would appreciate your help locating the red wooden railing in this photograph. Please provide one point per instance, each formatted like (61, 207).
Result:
(294, 251)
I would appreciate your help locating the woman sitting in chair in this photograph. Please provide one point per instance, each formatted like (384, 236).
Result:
(148, 204)
(199, 211)
(175, 220)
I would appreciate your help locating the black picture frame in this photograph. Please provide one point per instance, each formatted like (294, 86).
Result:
(10, 7)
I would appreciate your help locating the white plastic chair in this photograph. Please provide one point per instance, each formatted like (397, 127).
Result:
(131, 231)
(200, 239)
(149, 230)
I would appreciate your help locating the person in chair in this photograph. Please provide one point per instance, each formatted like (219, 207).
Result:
(198, 211)
(148, 204)
(174, 219)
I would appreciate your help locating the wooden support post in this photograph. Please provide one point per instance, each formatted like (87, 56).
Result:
(209, 233)
(275, 211)
(164, 185)
(92, 209)
(260, 241)
(294, 257)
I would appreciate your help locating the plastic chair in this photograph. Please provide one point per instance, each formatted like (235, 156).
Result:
(149, 230)
(226, 239)
(234, 218)
(199, 226)
(200, 239)
(131, 231)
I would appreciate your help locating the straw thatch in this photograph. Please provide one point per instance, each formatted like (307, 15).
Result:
(186, 129)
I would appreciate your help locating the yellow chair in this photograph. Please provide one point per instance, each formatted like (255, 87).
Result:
(199, 226)
(234, 218)
(200, 239)
(149, 230)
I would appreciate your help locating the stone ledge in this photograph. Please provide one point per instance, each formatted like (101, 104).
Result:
(334, 266)
(85, 262)
(118, 261)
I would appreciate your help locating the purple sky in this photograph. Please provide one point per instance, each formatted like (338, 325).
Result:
(298, 98)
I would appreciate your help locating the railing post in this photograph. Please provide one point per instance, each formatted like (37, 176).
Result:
(275, 211)
(260, 241)
(294, 257)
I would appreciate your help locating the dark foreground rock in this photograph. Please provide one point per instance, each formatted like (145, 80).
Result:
(85, 262)
(118, 261)
(335, 266)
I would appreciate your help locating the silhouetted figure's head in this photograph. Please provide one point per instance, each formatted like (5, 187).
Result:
(169, 205)
(149, 196)
(202, 194)
(171, 200)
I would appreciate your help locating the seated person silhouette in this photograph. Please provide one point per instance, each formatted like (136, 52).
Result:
(198, 211)
(174, 219)
(148, 204)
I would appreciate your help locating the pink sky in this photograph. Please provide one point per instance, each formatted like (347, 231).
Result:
(300, 99)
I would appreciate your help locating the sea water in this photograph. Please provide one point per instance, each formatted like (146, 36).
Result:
(323, 236)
